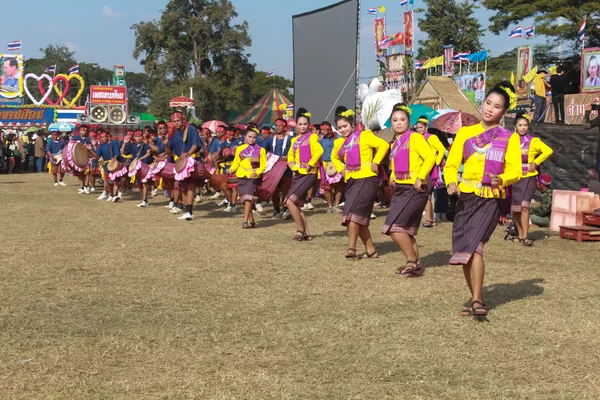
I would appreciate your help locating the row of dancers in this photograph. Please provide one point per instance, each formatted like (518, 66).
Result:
(483, 161)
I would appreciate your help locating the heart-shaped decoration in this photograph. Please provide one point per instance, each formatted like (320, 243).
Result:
(40, 82)
(56, 79)
(79, 92)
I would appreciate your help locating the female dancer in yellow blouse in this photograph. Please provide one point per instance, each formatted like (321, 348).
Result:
(491, 156)
(435, 176)
(411, 161)
(303, 157)
(354, 160)
(248, 165)
(533, 153)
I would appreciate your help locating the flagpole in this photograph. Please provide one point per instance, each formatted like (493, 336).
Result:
(357, 59)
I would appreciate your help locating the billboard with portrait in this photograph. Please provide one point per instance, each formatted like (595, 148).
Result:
(524, 61)
(472, 85)
(590, 62)
(11, 76)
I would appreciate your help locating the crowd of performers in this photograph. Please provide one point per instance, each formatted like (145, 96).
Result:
(484, 161)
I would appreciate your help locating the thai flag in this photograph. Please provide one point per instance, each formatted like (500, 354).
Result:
(403, 2)
(460, 57)
(529, 32)
(270, 74)
(516, 33)
(371, 11)
(385, 43)
(290, 107)
(419, 64)
(15, 45)
(581, 34)
(51, 68)
(74, 69)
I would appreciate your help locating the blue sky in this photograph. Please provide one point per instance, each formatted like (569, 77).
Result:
(100, 31)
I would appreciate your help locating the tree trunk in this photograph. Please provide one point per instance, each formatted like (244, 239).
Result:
(197, 71)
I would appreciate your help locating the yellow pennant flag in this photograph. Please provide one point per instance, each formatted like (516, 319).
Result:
(553, 70)
(381, 9)
(530, 75)
(512, 78)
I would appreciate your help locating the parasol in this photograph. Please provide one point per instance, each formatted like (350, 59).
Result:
(451, 122)
(212, 125)
(181, 102)
(418, 110)
(32, 129)
(61, 127)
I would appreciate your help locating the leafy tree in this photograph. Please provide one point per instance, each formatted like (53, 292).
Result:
(448, 22)
(547, 15)
(260, 85)
(195, 44)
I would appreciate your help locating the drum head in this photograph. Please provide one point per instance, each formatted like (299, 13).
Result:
(80, 155)
(330, 169)
(133, 164)
(113, 165)
(180, 164)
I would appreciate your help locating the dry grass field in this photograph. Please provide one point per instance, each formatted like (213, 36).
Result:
(103, 301)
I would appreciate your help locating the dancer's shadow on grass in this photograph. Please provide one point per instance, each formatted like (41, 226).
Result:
(499, 294)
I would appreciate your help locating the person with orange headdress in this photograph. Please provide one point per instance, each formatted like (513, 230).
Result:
(185, 143)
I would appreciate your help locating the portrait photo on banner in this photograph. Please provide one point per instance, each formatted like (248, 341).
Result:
(472, 85)
(11, 75)
(590, 59)
(524, 60)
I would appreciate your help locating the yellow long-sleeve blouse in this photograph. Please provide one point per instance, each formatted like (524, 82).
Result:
(243, 167)
(316, 151)
(538, 153)
(421, 160)
(474, 166)
(367, 142)
(438, 147)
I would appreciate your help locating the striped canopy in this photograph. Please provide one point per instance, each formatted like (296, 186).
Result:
(266, 111)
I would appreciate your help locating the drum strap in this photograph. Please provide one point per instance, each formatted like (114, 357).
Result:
(285, 144)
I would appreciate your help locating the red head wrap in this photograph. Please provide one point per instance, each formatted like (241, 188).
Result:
(137, 133)
(177, 115)
(102, 134)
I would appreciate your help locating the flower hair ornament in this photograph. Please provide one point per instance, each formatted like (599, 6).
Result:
(405, 109)
(255, 130)
(307, 115)
(512, 97)
(527, 117)
(347, 114)
(423, 121)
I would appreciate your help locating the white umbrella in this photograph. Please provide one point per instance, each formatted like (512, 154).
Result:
(61, 127)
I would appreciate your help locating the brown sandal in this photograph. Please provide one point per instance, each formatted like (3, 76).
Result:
(299, 236)
(479, 310)
(246, 225)
(351, 254)
(406, 270)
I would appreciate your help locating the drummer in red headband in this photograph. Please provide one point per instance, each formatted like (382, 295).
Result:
(184, 143)
(84, 177)
(107, 150)
(143, 153)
